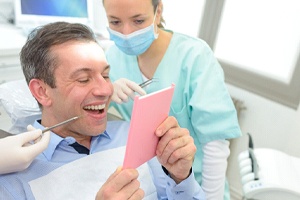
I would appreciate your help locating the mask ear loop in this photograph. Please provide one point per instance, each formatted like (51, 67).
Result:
(154, 24)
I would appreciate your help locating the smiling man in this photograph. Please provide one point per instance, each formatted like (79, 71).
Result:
(78, 85)
(67, 73)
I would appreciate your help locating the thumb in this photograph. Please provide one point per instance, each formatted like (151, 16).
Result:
(30, 135)
(30, 128)
(40, 146)
(44, 141)
(112, 176)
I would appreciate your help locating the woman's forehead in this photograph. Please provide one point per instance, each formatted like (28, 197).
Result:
(130, 5)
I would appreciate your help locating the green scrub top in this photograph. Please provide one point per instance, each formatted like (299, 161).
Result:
(201, 102)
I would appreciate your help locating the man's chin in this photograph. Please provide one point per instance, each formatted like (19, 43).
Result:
(97, 130)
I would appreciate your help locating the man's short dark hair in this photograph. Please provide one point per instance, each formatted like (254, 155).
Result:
(36, 58)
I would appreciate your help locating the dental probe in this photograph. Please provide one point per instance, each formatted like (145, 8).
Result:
(60, 124)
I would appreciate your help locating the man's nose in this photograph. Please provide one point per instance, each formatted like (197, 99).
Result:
(103, 87)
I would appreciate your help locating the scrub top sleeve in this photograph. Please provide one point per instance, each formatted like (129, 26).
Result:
(212, 111)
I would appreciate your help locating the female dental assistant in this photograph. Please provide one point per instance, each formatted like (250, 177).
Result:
(144, 49)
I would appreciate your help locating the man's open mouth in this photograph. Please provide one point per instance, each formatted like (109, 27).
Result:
(98, 109)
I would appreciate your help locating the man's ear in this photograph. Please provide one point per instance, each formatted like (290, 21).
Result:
(40, 91)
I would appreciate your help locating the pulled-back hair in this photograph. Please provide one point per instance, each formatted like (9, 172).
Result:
(36, 58)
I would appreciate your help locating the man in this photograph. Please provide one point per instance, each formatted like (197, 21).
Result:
(67, 73)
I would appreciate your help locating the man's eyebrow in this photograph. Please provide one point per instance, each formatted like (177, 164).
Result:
(75, 73)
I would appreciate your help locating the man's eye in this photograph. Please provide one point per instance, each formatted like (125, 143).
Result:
(105, 77)
(83, 80)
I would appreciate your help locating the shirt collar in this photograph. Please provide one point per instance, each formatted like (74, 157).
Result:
(55, 140)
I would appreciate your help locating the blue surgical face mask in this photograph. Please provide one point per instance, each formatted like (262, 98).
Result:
(134, 43)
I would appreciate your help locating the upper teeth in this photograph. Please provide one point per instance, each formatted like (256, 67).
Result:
(95, 107)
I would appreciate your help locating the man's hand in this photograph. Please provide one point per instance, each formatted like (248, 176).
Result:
(176, 149)
(122, 185)
(18, 151)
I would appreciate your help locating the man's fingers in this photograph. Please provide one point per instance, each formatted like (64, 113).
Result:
(111, 177)
(130, 189)
(171, 140)
(122, 184)
(138, 195)
(123, 178)
(185, 151)
(165, 126)
(169, 147)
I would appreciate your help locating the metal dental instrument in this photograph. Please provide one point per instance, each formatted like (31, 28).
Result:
(144, 84)
(60, 124)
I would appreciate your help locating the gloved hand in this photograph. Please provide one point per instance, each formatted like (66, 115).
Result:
(18, 151)
(124, 88)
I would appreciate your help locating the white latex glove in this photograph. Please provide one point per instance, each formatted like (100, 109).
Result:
(18, 151)
(124, 88)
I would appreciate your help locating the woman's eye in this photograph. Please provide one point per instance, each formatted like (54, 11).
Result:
(114, 22)
(140, 21)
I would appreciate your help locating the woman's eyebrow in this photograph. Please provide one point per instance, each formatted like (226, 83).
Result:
(111, 17)
(138, 15)
(132, 17)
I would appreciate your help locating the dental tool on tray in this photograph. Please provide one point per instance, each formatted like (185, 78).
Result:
(60, 124)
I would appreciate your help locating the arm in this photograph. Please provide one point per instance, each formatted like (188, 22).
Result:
(176, 151)
(17, 153)
(177, 183)
(214, 168)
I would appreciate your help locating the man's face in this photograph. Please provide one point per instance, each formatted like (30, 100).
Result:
(83, 88)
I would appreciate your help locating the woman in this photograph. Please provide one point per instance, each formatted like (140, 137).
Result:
(144, 49)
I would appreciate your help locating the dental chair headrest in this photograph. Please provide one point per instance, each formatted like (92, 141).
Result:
(19, 104)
